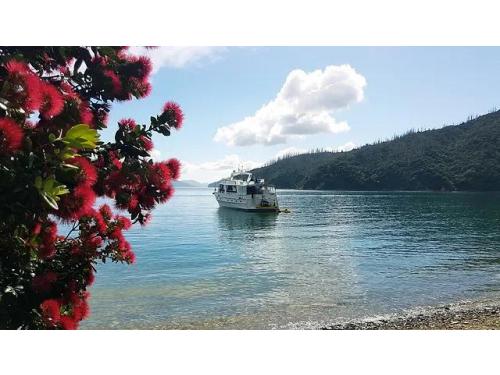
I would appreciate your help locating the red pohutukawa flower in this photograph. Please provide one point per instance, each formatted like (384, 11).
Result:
(48, 234)
(175, 168)
(141, 88)
(124, 222)
(15, 67)
(80, 306)
(90, 278)
(115, 81)
(87, 172)
(69, 92)
(51, 311)
(127, 123)
(106, 212)
(11, 136)
(145, 67)
(176, 112)
(52, 100)
(146, 142)
(68, 322)
(86, 116)
(24, 86)
(77, 203)
(160, 174)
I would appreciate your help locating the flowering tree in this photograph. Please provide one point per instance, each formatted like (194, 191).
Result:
(53, 103)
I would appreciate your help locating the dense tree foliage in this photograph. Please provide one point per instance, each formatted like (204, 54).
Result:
(461, 157)
(53, 103)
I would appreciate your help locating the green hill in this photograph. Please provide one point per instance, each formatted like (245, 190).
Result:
(458, 157)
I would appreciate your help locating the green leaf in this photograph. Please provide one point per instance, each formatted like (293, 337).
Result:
(50, 201)
(163, 118)
(60, 190)
(81, 136)
(163, 130)
(67, 153)
(69, 166)
(50, 190)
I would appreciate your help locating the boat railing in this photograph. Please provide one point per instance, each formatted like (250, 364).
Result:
(271, 189)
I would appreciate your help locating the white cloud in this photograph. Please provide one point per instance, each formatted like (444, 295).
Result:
(347, 147)
(304, 105)
(213, 170)
(176, 57)
(290, 151)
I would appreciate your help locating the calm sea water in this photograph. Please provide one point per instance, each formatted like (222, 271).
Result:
(337, 256)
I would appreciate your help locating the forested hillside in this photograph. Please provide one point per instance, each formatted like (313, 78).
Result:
(459, 157)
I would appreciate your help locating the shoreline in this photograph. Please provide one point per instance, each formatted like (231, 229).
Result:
(483, 315)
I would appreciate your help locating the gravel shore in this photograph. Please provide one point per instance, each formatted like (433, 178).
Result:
(467, 315)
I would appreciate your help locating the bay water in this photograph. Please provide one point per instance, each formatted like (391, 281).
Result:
(335, 257)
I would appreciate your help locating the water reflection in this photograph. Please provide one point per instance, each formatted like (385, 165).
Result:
(231, 219)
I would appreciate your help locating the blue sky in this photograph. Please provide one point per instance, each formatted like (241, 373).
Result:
(357, 95)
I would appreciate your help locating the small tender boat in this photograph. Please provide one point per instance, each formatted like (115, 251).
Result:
(244, 192)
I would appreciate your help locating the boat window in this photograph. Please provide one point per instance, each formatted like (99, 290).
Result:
(231, 188)
(221, 188)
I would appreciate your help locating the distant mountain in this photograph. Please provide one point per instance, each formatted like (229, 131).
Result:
(214, 184)
(189, 183)
(459, 157)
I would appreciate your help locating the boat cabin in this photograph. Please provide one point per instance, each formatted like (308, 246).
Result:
(244, 184)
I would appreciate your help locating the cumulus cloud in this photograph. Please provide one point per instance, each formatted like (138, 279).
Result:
(177, 57)
(304, 105)
(213, 170)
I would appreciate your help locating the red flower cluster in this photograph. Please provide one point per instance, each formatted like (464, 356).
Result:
(135, 192)
(66, 312)
(47, 238)
(115, 81)
(80, 200)
(177, 117)
(127, 123)
(11, 136)
(147, 143)
(104, 229)
(23, 89)
(61, 176)
(87, 173)
(30, 92)
(52, 101)
(140, 68)
(51, 312)
(175, 168)
(77, 203)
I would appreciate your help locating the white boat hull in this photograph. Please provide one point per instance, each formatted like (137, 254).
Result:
(248, 202)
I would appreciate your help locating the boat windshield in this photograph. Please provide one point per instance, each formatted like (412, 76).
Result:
(241, 177)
